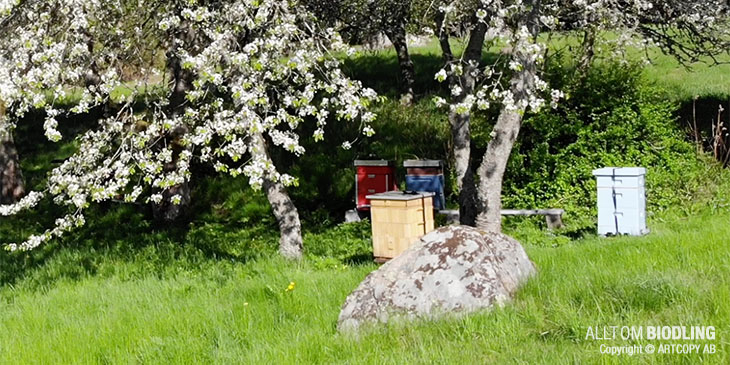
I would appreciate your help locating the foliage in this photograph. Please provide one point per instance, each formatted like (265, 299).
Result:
(344, 243)
(242, 72)
(611, 119)
(362, 19)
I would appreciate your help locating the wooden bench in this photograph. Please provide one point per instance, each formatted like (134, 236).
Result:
(553, 217)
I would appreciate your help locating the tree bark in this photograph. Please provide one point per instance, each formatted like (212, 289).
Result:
(588, 46)
(287, 216)
(460, 123)
(166, 211)
(397, 36)
(491, 171)
(504, 134)
(286, 213)
(461, 146)
(12, 187)
(11, 175)
(443, 36)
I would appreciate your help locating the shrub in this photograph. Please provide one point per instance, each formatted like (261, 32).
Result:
(610, 119)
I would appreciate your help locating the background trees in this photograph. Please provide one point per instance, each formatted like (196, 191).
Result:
(225, 83)
(242, 76)
(361, 20)
(686, 30)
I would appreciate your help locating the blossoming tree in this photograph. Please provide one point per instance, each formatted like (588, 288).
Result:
(688, 30)
(221, 82)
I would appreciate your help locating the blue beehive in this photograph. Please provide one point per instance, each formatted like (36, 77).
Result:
(426, 175)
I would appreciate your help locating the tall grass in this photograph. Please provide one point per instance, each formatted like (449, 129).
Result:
(226, 311)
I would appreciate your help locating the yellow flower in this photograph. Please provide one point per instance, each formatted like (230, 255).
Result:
(290, 287)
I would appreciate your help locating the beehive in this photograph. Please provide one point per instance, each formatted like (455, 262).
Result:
(398, 220)
(426, 175)
(372, 177)
(621, 201)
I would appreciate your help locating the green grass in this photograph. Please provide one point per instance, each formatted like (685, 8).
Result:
(226, 311)
(214, 291)
(702, 79)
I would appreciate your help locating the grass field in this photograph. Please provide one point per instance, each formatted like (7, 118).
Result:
(703, 79)
(123, 290)
(224, 311)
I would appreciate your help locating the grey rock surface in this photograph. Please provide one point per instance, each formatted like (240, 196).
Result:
(455, 269)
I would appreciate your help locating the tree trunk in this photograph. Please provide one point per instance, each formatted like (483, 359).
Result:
(443, 36)
(461, 142)
(11, 176)
(286, 213)
(504, 134)
(290, 229)
(588, 45)
(460, 123)
(166, 211)
(491, 171)
(397, 36)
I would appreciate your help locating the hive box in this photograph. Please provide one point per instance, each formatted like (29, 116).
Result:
(372, 177)
(426, 175)
(621, 200)
(398, 220)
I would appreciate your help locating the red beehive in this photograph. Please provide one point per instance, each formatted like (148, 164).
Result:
(373, 177)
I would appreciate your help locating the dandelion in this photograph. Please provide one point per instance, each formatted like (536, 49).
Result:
(290, 287)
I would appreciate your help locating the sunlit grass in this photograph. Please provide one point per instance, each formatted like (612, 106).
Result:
(222, 311)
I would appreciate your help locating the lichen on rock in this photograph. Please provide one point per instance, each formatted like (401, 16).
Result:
(452, 269)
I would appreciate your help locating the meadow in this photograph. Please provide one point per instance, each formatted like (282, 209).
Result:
(126, 290)
(166, 304)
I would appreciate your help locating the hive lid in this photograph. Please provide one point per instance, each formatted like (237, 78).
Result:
(620, 171)
(400, 195)
(373, 163)
(422, 163)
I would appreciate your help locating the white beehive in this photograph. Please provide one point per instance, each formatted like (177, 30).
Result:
(621, 200)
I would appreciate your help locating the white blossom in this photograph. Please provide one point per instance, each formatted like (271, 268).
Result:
(268, 57)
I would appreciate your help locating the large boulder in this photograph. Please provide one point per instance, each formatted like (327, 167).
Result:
(452, 269)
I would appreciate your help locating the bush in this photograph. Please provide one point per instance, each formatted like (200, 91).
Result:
(610, 119)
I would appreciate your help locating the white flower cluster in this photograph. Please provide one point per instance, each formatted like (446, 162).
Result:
(258, 69)
(686, 28)
(27, 202)
(500, 17)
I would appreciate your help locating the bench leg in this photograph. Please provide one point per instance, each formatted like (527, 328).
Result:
(554, 221)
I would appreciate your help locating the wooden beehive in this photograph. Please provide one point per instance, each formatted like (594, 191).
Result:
(373, 177)
(398, 221)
